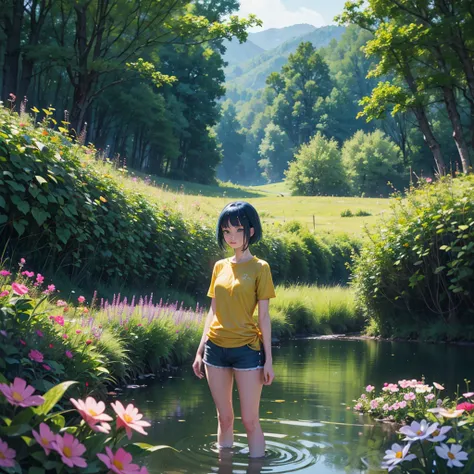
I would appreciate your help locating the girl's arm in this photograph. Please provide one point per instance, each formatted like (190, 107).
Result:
(266, 328)
(197, 365)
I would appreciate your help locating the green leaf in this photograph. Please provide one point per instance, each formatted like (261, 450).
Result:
(36, 470)
(63, 235)
(19, 227)
(2, 202)
(40, 180)
(21, 204)
(40, 215)
(52, 397)
(15, 430)
(3, 218)
(24, 416)
(439, 269)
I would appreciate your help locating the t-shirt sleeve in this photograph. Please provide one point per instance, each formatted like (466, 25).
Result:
(211, 292)
(265, 288)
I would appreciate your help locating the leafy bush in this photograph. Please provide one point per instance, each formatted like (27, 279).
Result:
(317, 169)
(372, 162)
(417, 268)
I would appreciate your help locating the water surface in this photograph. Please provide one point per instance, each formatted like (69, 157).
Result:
(304, 413)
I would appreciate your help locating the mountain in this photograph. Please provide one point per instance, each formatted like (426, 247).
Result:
(237, 53)
(274, 37)
(253, 73)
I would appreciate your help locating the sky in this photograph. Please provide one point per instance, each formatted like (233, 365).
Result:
(280, 13)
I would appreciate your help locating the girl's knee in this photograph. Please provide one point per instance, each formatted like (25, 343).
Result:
(225, 421)
(251, 423)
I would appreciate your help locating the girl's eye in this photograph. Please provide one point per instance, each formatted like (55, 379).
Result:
(240, 230)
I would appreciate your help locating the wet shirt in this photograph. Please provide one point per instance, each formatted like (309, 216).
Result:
(237, 288)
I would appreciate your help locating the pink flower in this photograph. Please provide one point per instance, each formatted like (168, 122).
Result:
(61, 303)
(59, 320)
(69, 354)
(4, 293)
(429, 180)
(19, 289)
(65, 336)
(88, 342)
(120, 462)
(49, 289)
(78, 331)
(468, 394)
(465, 406)
(409, 396)
(7, 455)
(40, 333)
(358, 407)
(92, 411)
(369, 388)
(70, 450)
(81, 299)
(129, 418)
(39, 278)
(19, 393)
(402, 404)
(36, 355)
(44, 437)
(22, 261)
(4, 273)
(374, 404)
(438, 386)
(429, 397)
(22, 342)
(46, 367)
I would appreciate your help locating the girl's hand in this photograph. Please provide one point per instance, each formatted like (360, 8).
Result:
(197, 366)
(268, 374)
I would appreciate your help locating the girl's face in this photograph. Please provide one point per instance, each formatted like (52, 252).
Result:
(234, 236)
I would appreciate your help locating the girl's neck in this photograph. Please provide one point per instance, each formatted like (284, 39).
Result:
(241, 255)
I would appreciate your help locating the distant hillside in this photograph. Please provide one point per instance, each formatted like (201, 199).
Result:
(274, 37)
(253, 73)
(237, 53)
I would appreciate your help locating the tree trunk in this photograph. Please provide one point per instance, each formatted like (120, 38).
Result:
(11, 62)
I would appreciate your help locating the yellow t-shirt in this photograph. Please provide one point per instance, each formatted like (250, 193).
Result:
(237, 287)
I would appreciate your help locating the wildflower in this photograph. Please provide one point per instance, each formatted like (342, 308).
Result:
(81, 299)
(120, 462)
(36, 356)
(85, 310)
(374, 404)
(402, 404)
(439, 435)
(88, 342)
(91, 410)
(61, 303)
(22, 261)
(129, 418)
(429, 180)
(369, 388)
(423, 388)
(385, 407)
(429, 397)
(438, 386)
(39, 278)
(46, 367)
(468, 394)
(59, 320)
(51, 346)
(453, 454)
(7, 455)
(19, 289)
(40, 333)
(358, 407)
(363, 396)
(451, 413)
(418, 431)
(28, 274)
(44, 437)
(4, 293)
(465, 406)
(65, 336)
(78, 331)
(49, 289)
(19, 393)
(4, 273)
(22, 342)
(396, 455)
(70, 450)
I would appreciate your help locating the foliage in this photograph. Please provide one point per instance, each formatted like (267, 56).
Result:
(373, 164)
(416, 270)
(318, 169)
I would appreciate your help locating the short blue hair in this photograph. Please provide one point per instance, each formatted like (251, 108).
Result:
(239, 213)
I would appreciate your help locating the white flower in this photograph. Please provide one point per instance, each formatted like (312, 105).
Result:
(423, 388)
(453, 454)
(418, 431)
(439, 435)
(451, 413)
(396, 455)
(438, 386)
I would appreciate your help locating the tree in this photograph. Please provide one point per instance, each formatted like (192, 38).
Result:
(232, 142)
(275, 151)
(298, 93)
(317, 169)
(371, 161)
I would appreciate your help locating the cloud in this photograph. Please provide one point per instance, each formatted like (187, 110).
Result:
(274, 14)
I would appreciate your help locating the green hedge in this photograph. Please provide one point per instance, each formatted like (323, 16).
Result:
(71, 219)
(415, 274)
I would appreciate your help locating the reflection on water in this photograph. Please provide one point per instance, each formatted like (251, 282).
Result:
(304, 413)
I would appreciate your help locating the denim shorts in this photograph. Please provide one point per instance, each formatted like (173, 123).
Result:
(237, 358)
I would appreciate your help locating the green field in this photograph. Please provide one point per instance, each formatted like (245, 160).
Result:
(273, 201)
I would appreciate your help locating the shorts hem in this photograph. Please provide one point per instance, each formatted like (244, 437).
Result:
(251, 368)
(216, 366)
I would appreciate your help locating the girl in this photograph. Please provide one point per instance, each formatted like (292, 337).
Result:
(231, 343)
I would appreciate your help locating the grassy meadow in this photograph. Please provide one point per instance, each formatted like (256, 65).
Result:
(274, 202)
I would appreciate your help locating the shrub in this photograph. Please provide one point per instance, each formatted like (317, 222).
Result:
(417, 268)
